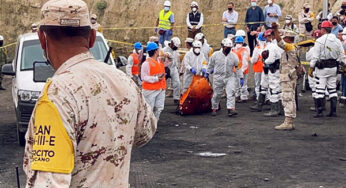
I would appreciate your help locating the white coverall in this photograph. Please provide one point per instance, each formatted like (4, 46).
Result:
(191, 60)
(275, 53)
(257, 75)
(224, 77)
(312, 80)
(242, 90)
(205, 50)
(327, 47)
(155, 98)
(173, 67)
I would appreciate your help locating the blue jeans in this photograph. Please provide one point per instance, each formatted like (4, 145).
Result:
(343, 82)
(228, 31)
(164, 37)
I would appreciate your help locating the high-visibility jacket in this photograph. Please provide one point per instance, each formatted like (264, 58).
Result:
(135, 66)
(164, 21)
(258, 66)
(239, 52)
(156, 68)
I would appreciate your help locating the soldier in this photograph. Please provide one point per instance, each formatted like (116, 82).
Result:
(328, 54)
(89, 115)
(95, 25)
(3, 59)
(288, 76)
(172, 48)
(222, 64)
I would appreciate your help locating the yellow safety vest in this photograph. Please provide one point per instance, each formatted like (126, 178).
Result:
(52, 148)
(164, 21)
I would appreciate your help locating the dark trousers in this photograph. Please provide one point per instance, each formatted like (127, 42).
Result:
(252, 42)
(192, 34)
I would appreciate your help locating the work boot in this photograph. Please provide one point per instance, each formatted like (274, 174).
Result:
(333, 102)
(232, 112)
(274, 110)
(281, 108)
(213, 113)
(258, 107)
(319, 108)
(287, 125)
(313, 108)
(229, 113)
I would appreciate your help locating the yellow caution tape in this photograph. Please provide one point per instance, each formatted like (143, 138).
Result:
(8, 45)
(119, 42)
(305, 63)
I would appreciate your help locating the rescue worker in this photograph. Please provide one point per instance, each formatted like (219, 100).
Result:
(257, 62)
(133, 63)
(305, 19)
(328, 54)
(172, 48)
(194, 20)
(34, 27)
(243, 56)
(3, 59)
(89, 115)
(188, 43)
(153, 80)
(272, 61)
(206, 50)
(288, 76)
(222, 65)
(165, 23)
(195, 64)
(94, 24)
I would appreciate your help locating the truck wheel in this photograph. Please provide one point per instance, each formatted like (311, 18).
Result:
(21, 137)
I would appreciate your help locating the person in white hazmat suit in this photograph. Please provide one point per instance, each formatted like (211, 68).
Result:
(257, 62)
(272, 60)
(327, 56)
(223, 65)
(195, 64)
(172, 48)
(206, 50)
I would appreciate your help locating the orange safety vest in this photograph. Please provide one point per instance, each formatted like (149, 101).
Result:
(135, 68)
(239, 53)
(155, 68)
(258, 66)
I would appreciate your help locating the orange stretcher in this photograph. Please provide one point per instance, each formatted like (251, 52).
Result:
(197, 98)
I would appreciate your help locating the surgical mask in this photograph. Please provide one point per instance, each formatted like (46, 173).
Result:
(238, 46)
(335, 23)
(270, 1)
(287, 21)
(197, 51)
(194, 9)
(230, 9)
(344, 37)
(166, 8)
(227, 50)
(253, 4)
(93, 21)
(261, 43)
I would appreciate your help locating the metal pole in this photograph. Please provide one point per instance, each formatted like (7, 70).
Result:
(18, 183)
(325, 9)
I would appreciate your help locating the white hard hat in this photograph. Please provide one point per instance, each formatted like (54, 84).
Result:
(240, 33)
(1, 37)
(167, 4)
(197, 44)
(189, 40)
(227, 42)
(199, 36)
(176, 41)
(344, 31)
(194, 3)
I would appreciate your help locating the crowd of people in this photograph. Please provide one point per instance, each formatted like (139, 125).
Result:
(272, 52)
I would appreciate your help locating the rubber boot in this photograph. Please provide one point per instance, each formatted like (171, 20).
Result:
(319, 108)
(313, 108)
(281, 109)
(274, 110)
(260, 103)
(287, 125)
(230, 113)
(333, 102)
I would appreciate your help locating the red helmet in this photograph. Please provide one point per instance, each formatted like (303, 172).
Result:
(268, 32)
(326, 24)
(317, 34)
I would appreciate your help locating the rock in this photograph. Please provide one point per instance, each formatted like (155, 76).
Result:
(177, 125)
(193, 127)
(314, 135)
(266, 179)
(342, 159)
(237, 151)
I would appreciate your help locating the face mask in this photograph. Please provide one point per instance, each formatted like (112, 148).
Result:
(197, 51)
(344, 37)
(93, 21)
(270, 1)
(288, 21)
(230, 9)
(239, 45)
(166, 8)
(226, 50)
(335, 23)
(194, 9)
(253, 4)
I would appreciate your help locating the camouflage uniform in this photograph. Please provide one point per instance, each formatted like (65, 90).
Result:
(103, 113)
(288, 80)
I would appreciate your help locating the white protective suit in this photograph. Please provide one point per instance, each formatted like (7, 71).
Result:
(173, 67)
(205, 50)
(255, 58)
(275, 53)
(327, 47)
(224, 77)
(242, 90)
(191, 60)
(312, 80)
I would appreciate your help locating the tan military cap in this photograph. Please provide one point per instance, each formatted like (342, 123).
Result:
(153, 39)
(69, 13)
(289, 33)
